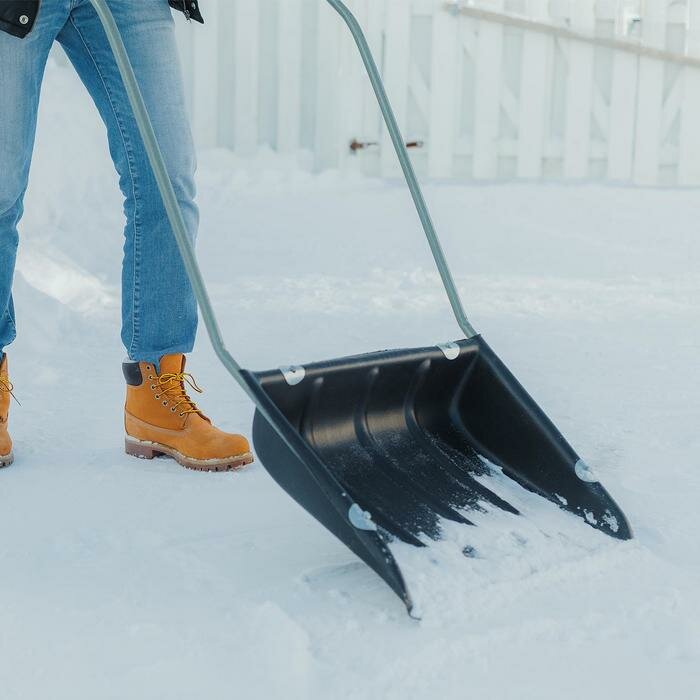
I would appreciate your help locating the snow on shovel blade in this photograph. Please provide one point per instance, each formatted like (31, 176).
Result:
(390, 444)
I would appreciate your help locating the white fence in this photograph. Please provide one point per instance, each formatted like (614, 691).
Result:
(482, 98)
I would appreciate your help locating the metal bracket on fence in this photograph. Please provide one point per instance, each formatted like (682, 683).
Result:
(459, 7)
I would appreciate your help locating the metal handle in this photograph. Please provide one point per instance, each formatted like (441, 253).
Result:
(406, 166)
(174, 212)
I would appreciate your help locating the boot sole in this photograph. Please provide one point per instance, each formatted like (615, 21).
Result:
(6, 460)
(151, 450)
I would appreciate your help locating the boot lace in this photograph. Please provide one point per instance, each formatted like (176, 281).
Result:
(6, 385)
(172, 387)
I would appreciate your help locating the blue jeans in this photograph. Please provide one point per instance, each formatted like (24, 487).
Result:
(159, 312)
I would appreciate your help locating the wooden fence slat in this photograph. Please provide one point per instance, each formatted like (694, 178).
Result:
(371, 118)
(289, 66)
(534, 82)
(268, 47)
(489, 62)
(328, 87)
(245, 37)
(443, 109)
(352, 79)
(650, 98)
(225, 74)
(464, 146)
(689, 156)
(579, 100)
(396, 74)
(623, 99)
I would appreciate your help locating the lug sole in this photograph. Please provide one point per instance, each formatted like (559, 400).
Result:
(6, 460)
(150, 450)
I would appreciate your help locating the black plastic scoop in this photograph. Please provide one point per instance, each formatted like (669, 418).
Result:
(389, 444)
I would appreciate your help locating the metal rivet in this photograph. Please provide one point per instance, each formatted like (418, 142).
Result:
(585, 473)
(293, 375)
(24, 19)
(361, 519)
(450, 350)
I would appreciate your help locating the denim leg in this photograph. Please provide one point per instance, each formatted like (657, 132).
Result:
(159, 311)
(22, 64)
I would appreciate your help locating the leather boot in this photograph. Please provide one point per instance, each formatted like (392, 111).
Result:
(161, 419)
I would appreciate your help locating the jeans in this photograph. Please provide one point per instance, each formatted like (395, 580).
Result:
(159, 312)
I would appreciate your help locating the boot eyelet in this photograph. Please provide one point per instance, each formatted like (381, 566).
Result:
(182, 415)
(165, 403)
(157, 397)
(173, 410)
(150, 377)
(148, 368)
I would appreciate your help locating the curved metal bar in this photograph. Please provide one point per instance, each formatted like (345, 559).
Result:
(406, 166)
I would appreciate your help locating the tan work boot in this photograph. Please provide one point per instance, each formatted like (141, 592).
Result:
(161, 419)
(6, 456)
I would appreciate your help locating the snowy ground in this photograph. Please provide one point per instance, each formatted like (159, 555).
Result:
(124, 579)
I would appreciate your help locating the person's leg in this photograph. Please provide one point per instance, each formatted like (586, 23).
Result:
(159, 309)
(22, 63)
(158, 305)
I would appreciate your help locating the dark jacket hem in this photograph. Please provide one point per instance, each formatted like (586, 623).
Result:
(14, 30)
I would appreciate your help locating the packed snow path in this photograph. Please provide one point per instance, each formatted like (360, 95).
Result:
(129, 579)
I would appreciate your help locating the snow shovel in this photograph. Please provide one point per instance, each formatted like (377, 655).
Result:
(393, 444)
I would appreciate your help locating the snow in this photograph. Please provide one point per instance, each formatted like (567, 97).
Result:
(128, 579)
